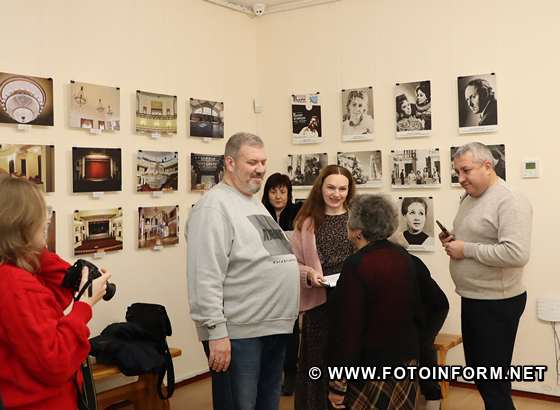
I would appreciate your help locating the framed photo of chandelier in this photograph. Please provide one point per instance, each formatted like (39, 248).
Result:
(157, 171)
(95, 107)
(26, 100)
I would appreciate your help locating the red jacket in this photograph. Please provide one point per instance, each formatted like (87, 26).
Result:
(40, 348)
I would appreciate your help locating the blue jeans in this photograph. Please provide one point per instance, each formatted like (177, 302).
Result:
(254, 376)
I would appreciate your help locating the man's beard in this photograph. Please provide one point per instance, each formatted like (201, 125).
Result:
(254, 187)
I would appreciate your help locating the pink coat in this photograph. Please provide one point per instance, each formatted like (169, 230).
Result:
(305, 249)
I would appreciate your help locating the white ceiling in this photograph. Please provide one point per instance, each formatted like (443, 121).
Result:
(271, 6)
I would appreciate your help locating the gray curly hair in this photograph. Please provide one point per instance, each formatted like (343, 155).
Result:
(375, 215)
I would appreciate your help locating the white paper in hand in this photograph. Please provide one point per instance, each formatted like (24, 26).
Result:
(330, 280)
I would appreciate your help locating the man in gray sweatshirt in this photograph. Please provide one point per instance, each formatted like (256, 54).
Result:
(488, 246)
(243, 283)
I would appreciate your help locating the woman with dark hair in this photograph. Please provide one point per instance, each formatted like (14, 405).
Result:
(385, 309)
(41, 347)
(277, 198)
(406, 115)
(414, 209)
(321, 246)
(424, 104)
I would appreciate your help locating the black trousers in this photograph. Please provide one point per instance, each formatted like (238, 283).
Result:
(489, 328)
(290, 361)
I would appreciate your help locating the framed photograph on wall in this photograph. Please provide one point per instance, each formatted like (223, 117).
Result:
(478, 104)
(34, 162)
(415, 168)
(51, 229)
(365, 167)
(96, 169)
(357, 114)
(306, 119)
(156, 113)
(94, 106)
(304, 168)
(26, 100)
(158, 226)
(416, 222)
(206, 118)
(206, 171)
(413, 102)
(157, 171)
(99, 230)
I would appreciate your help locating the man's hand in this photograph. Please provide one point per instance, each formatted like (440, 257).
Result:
(336, 400)
(445, 238)
(455, 249)
(220, 354)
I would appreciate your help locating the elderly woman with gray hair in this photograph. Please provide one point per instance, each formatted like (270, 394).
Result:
(377, 313)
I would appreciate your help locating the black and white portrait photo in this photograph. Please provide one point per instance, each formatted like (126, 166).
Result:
(365, 167)
(306, 119)
(415, 168)
(416, 223)
(357, 114)
(478, 106)
(413, 102)
(499, 154)
(304, 168)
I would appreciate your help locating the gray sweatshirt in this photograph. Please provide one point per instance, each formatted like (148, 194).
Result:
(496, 228)
(243, 279)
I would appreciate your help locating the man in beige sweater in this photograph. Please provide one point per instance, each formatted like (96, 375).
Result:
(488, 248)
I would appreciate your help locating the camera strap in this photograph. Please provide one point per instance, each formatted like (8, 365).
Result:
(87, 286)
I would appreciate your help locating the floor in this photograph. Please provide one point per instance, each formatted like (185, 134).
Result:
(198, 396)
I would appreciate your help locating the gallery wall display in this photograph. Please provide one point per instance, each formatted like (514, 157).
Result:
(206, 171)
(304, 168)
(478, 105)
(365, 167)
(34, 162)
(156, 113)
(416, 222)
(415, 168)
(96, 169)
(94, 107)
(51, 230)
(157, 171)
(158, 226)
(26, 100)
(97, 231)
(499, 154)
(413, 103)
(306, 119)
(357, 114)
(206, 118)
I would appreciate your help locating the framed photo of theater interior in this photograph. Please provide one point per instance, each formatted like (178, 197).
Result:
(157, 171)
(97, 231)
(96, 169)
(156, 114)
(95, 107)
(33, 162)
(206, 171)
(206, 118)
(26, 100)
(158, 226)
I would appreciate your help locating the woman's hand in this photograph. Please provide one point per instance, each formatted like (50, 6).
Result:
(98, 286)
(336, 400)
(315, 278)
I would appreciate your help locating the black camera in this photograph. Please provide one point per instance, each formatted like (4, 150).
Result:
(73, 278)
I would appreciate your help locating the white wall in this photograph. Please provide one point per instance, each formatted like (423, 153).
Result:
(187, 48)
(356, 43)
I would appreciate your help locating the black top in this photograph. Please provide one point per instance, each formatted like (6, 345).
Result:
(415, 239)
(377, 315)
(287, 215)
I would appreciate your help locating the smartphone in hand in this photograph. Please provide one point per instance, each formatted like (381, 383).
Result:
(443, 229)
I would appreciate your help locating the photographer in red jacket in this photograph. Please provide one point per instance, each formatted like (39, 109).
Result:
(41, 348)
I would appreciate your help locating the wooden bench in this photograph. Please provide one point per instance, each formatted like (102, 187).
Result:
(141, 393)
(444, 342)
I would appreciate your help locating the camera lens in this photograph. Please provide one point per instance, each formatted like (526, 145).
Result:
(110, 292)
